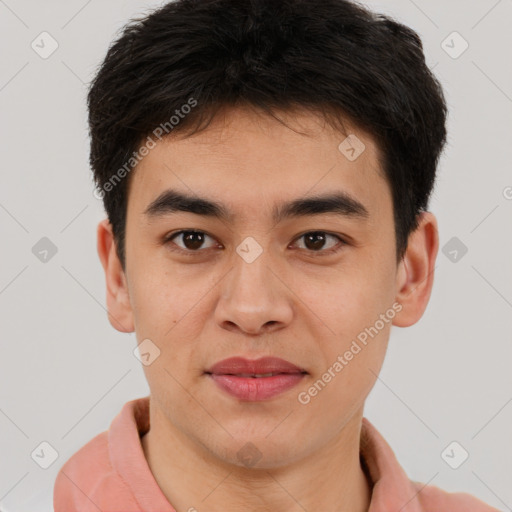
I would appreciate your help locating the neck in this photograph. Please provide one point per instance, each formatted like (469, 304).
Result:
(330, 479)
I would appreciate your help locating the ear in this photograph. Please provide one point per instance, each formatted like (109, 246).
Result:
(119, 309)
(415, 276)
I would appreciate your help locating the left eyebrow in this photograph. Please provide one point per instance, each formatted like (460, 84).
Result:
(340, 203)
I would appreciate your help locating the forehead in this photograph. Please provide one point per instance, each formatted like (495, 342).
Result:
(250, 162)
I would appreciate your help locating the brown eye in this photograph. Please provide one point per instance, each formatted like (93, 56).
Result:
(191, 240)
(317, 241)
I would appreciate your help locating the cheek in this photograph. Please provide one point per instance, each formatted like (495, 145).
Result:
(350, 298)
(162, 296)
(348, 311)
(169, 309)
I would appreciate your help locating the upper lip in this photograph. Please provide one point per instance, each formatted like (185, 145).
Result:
(240, 365)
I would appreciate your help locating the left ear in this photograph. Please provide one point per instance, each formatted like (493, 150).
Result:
(415, 276)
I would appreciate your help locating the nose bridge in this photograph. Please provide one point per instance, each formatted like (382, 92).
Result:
(251, 279)
(252, 297)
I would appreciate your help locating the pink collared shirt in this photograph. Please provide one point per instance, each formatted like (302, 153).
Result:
(111, 474)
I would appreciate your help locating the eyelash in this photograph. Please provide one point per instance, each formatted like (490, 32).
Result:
(173, 247)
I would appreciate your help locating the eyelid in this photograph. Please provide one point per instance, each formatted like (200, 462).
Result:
(332, 250)
(168, 239)
(342, 242)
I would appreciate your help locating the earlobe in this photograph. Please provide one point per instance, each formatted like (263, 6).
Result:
(415, 276)
(119, 309)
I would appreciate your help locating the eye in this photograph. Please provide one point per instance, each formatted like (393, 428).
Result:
(192, 240)
(315, 241)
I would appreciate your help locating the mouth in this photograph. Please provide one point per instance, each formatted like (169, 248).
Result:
(254, 375)
(262, 367)
(255, 380)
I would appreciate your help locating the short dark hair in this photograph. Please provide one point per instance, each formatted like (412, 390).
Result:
(332, 57)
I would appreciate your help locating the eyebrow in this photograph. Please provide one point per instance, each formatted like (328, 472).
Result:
(340, 203)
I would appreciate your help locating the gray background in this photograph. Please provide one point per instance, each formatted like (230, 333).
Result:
(65, 372)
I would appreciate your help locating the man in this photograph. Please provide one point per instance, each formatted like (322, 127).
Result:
(266, 168)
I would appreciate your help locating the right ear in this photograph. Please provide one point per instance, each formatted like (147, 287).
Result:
(120, 313)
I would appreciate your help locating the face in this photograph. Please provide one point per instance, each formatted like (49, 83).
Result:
(317, 286)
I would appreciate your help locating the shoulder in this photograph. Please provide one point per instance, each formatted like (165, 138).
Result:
(434, 499)
(87, 481)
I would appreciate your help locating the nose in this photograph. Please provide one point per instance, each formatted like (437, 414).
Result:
(254, 298)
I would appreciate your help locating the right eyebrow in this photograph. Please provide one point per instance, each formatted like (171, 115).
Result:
(337, 202)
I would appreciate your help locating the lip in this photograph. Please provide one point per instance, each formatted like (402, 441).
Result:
(232, 376)
(238, 365)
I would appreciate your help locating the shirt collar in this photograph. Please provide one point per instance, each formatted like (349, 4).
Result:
(127, 456)
(392, 491)
(391, 488)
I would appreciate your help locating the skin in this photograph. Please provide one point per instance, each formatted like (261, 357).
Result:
(290, 302)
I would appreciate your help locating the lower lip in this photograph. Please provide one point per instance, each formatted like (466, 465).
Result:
(256, 389)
